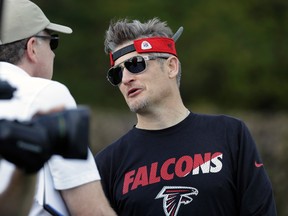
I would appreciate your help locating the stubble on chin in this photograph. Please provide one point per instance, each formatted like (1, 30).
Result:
(138, 106)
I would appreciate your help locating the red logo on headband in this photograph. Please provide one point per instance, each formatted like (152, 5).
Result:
(156, 44)
(146, 45)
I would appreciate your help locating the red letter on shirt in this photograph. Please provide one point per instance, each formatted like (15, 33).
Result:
(128, 179)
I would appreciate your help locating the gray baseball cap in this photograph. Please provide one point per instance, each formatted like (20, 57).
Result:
(22, 19)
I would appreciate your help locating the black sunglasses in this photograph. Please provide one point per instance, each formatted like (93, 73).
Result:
(136, 64)
(54, 40)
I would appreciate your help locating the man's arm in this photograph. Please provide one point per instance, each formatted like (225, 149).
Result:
(18, 197)
(87, 200)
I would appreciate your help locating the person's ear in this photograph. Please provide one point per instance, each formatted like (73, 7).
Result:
(173, 66)
(31, 49)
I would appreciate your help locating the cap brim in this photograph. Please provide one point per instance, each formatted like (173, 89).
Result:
(59, 28)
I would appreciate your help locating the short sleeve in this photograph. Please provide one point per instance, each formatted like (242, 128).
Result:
(69, 173)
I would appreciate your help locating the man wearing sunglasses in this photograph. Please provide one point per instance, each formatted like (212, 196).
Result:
(27, 45)
(173, 161)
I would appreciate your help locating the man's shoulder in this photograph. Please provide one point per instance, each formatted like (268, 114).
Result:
(118, 146)
(18, 78)
(219, 121)
(217, 117)
(42, 81)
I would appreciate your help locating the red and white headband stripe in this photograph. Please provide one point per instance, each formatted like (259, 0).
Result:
(148, 45)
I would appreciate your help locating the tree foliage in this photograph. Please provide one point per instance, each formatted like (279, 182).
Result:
(233, 53)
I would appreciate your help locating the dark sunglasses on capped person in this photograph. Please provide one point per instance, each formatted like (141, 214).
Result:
(54, 40)
(135, 65)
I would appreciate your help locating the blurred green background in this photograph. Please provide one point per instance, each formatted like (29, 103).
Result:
(234, 59)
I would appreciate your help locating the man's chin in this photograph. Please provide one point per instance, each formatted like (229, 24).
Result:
(138, 108)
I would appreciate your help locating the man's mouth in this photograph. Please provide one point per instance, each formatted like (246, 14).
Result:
(132, 92)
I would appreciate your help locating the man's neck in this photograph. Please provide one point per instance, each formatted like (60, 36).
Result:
(161, 118)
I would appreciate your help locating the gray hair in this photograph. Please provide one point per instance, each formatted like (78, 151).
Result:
(124, 30)
(13, 52)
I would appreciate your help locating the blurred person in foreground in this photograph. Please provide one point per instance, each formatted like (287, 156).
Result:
(19, 191)
(174, 161)
(20, 188)
(27, 47)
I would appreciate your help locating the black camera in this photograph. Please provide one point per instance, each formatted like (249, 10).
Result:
(6, 90)
(30, 144)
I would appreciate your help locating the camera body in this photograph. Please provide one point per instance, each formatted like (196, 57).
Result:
(29, 144)
(6, 90)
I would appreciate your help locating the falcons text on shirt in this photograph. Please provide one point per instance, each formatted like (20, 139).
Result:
(173, 167)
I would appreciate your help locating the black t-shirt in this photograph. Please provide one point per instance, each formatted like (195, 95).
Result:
(206, 165)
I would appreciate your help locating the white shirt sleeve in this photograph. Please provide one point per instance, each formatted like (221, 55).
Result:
(66, 173)
(69, 173)
(6, 170)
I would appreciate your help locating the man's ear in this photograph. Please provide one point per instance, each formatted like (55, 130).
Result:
(173, 65)
(31, 49)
